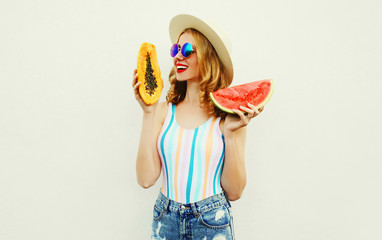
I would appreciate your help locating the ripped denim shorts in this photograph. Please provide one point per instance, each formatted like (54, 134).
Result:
(208, 219)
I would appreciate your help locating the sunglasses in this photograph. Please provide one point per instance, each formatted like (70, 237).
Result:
(186, 50)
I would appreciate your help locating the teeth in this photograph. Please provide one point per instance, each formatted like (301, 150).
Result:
(181, 67)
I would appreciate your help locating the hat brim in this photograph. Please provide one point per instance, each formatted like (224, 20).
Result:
(210, 30)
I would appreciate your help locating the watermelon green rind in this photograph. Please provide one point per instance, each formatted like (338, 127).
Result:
(265, 101)
(218, 105)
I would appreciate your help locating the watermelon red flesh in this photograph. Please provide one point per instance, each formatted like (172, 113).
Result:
(257, 93)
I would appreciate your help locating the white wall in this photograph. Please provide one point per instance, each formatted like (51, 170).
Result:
(69, 124)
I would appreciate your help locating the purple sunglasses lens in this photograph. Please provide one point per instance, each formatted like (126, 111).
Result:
(174, 50)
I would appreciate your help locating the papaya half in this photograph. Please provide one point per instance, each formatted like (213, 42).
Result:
(149, 74)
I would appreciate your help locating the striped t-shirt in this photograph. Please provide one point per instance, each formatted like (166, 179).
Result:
(192, 159)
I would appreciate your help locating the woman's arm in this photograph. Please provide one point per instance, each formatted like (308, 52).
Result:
(233, 179)
(148, 164)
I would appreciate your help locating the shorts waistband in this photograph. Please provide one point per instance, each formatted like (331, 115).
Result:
(165, 204)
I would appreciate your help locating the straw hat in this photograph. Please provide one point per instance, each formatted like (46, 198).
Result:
(210, 30)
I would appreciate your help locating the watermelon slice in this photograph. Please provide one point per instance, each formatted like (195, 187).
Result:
(257, 93)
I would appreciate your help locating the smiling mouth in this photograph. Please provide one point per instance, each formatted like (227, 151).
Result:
(181, 68)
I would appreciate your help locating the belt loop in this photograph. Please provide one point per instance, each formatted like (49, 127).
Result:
(166, 204)
(194, 210)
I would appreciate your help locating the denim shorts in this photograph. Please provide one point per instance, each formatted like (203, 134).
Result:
(208, 219)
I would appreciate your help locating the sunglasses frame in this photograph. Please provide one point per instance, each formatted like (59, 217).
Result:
(182, 50)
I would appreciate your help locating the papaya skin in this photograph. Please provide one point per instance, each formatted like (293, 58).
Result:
(149, 74)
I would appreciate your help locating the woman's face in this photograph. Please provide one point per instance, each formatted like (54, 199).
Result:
(186, 68)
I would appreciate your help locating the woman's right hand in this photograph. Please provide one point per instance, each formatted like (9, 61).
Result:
(136, 84)
(148, 161)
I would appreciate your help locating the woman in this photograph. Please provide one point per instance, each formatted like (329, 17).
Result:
(199, 148)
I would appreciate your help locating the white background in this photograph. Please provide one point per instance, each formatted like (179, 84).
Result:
(69, 123)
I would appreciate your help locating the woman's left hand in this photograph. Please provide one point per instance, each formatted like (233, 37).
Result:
(233, 122)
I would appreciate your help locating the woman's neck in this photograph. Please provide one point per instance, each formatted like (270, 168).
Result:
(192, 94)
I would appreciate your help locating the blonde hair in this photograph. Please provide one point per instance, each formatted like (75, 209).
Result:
(212, 74)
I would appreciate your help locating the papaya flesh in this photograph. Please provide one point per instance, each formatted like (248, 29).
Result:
(149, 74)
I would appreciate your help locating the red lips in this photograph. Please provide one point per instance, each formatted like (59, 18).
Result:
(181, 67)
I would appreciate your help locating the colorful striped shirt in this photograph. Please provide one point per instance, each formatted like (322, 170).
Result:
(192, 159)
